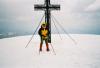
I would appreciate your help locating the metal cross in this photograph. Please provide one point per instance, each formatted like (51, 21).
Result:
(47, 7)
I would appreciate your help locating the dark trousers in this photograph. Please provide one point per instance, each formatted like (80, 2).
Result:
(46, 42)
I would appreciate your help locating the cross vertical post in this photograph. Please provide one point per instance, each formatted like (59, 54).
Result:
(47, 7)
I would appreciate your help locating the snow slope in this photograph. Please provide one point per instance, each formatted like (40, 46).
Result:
(86, 54)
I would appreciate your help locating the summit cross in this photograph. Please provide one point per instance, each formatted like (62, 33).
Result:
(47, 7)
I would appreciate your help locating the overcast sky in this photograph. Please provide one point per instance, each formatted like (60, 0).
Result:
(76, 16)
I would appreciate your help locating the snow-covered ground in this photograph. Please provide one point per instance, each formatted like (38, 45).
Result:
(86, 54)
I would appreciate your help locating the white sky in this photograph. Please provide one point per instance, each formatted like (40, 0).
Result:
(77, 16)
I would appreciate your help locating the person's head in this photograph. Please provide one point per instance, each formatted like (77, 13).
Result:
(43, 25)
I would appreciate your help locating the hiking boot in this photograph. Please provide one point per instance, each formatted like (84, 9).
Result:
(47, 46)
(40, 47)
(48, 49)
(40, 50)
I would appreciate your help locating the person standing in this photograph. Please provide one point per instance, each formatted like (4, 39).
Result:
(44, 32)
